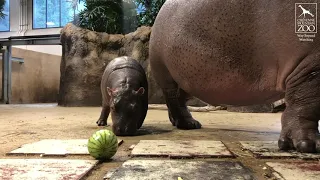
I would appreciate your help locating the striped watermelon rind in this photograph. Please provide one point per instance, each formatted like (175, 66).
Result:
(103, 144)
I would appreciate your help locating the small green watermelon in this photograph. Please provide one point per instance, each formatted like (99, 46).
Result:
(103, 144)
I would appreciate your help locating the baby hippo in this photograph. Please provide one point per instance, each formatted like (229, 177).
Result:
(124, 89)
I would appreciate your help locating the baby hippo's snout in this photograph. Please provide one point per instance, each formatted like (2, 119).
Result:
(124, 130)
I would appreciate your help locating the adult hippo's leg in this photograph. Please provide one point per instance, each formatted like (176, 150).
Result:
(175, 97)
(179, 114)
(183, 98)
(302, 113)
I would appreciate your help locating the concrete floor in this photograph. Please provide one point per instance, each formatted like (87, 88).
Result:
(21, 124)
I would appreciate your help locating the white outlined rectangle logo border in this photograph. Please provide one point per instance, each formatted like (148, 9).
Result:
(316, 15)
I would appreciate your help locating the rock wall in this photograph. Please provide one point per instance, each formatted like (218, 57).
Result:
(85, 55)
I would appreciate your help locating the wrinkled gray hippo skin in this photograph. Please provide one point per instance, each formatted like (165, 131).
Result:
(124, 89)
(238, 53)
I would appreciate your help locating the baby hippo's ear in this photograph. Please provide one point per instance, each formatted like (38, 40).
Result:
(140, 91)
(111, 92)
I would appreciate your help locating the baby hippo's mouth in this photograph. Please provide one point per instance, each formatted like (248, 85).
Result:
(119, 130)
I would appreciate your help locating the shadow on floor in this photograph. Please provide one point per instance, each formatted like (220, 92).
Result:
(149, 130)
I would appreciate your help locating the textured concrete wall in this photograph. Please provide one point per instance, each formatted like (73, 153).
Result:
(37, 79)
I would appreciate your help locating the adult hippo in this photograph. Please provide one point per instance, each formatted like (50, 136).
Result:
(124, 89)
(239, 53)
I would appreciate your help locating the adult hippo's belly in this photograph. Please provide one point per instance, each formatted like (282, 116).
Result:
(238, 53)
